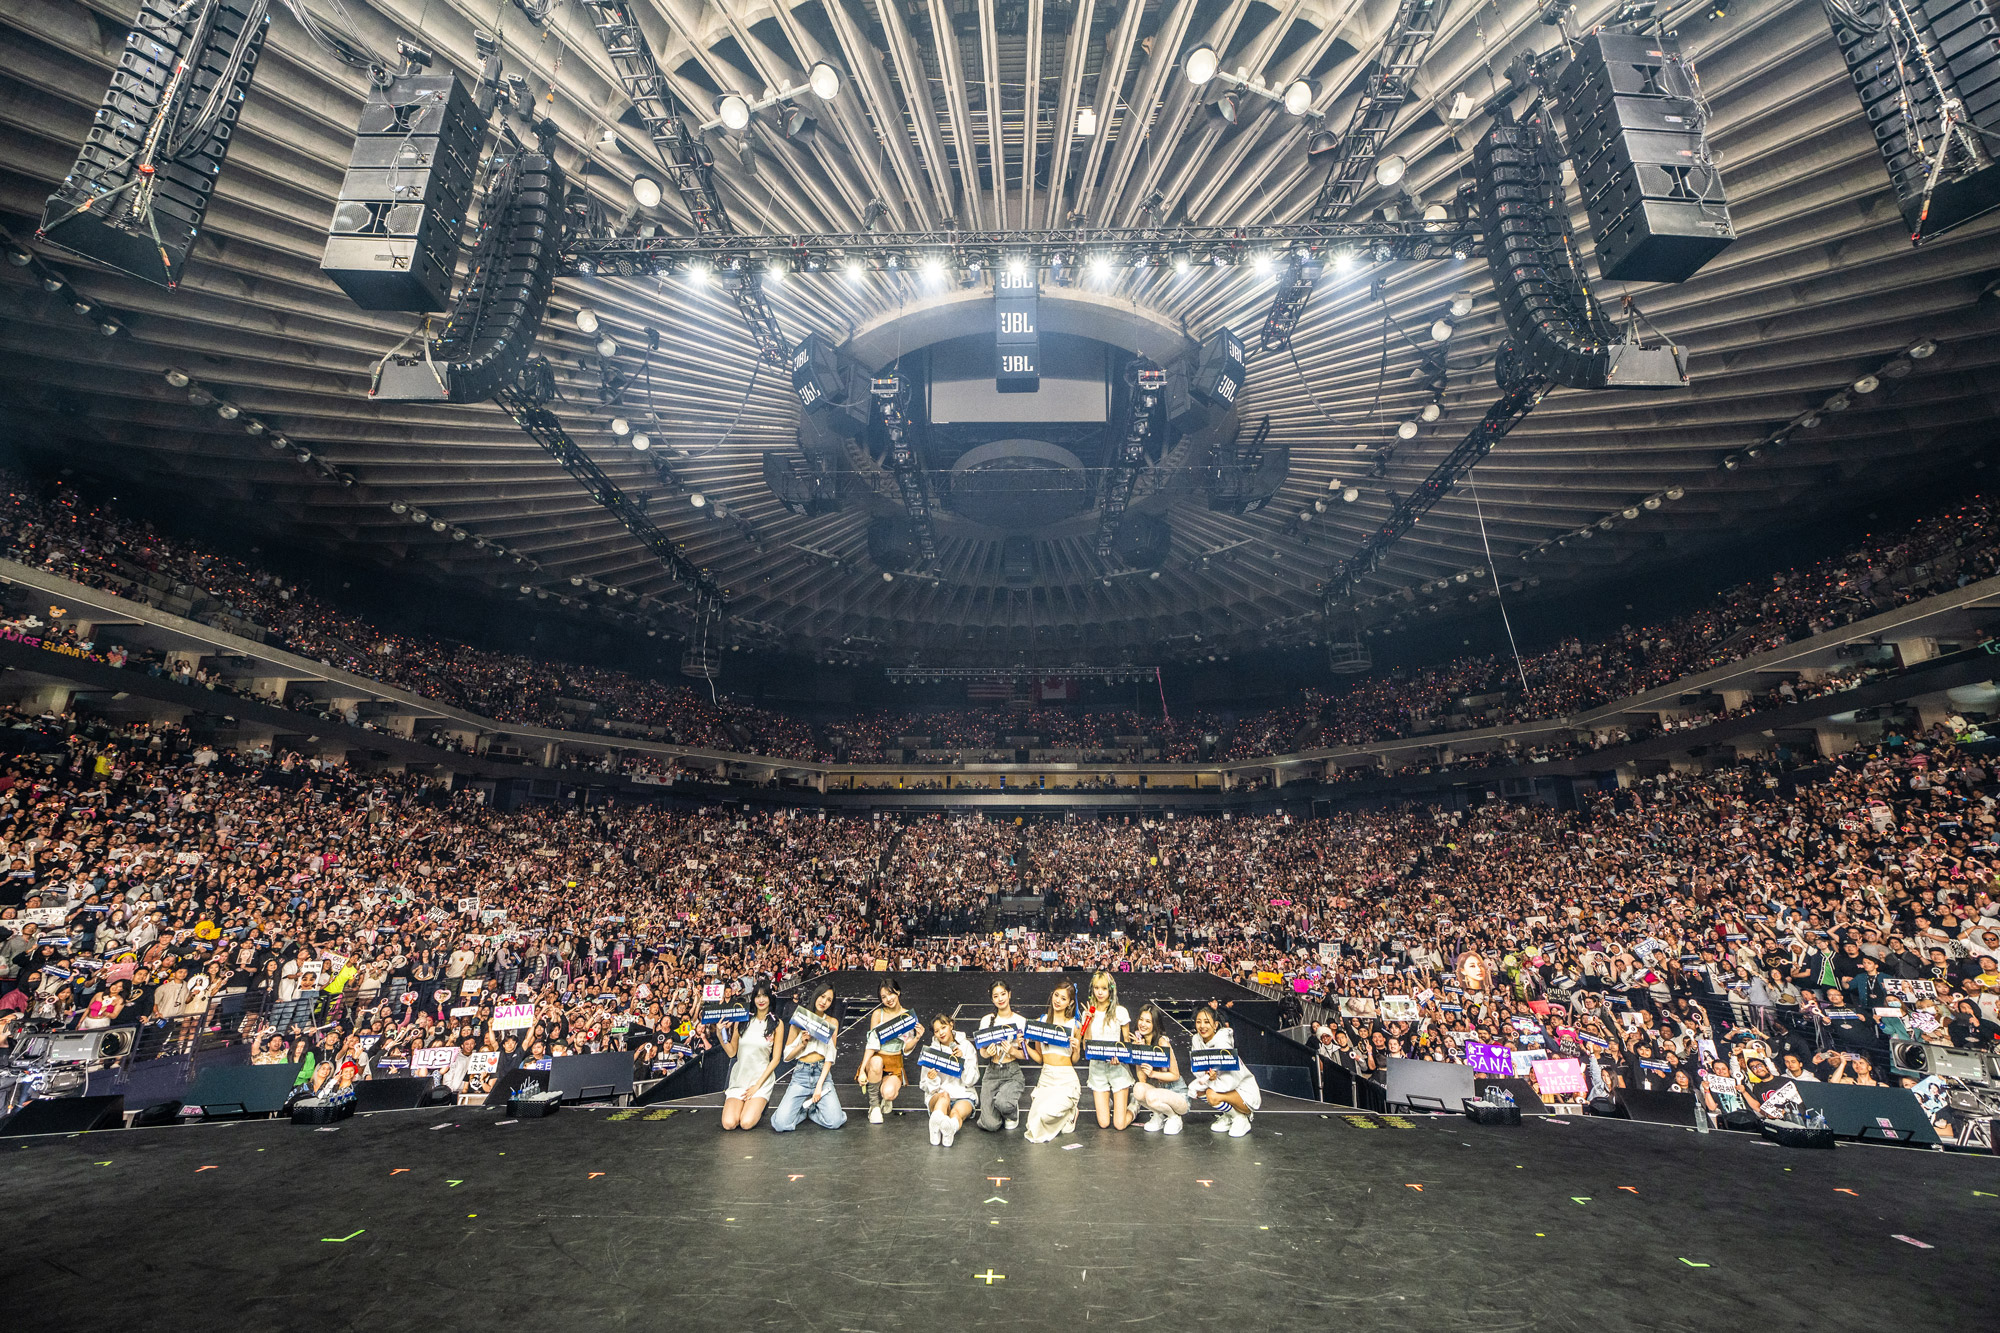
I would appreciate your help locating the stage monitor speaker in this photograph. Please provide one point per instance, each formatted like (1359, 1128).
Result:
(605, 1074)
(1427, 1085)
(1658, 1108)
(226, 1090)
(320, 1111)
(400, 215)
(137, 196)
(65, 1115)
(1637, 134)
(390, 1094)
(1876, 1115)
(495, 320)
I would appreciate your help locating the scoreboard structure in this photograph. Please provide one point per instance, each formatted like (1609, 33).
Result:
(1017, 340)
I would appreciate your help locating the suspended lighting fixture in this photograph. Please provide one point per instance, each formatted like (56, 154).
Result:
(228, 411)
(1407, 431)
(1922, 350)
(1461, 304)
(177, 378)
(607, 346)
(1299, 95)
(697, 499)
(1431, 411)
(1675, 493)
(1867, 384)
(619, 425)
(1321, 141)
(733, 110)
(645, 192)
(824, 80)
(1229, 106)
(1086, 122)
(1202, 63)
(854, 270)
(1442, 328)
(642, 442)
(586, 320)
(1389, 170)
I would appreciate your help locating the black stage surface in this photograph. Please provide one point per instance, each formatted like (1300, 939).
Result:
(598, 1218)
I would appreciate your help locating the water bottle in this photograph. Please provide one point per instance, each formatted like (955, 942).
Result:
(1700, 1117)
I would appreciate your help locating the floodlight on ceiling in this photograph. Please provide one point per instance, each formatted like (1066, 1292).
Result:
(1351, 494)
(586, 320)
(1086, 122)
(732, 111)
(854, 270)
(1390, 170)
(1407, 431)
(1442, 328)
(697, 499)
(1299, 96)
(178, 378)
(642, 442)
(620, 426)
(1229, 106)
(1922, 350)
(1202, 63)
(607, 346)
(1461, 304)
(1321, 142)
(824, 80)
(645, 192)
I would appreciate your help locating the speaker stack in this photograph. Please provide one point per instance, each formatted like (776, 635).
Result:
(401, 214)
(494, 322)
(92, 212)
(1636, 134)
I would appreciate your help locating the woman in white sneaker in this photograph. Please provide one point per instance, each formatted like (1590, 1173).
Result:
(1232, 1092)
(1104, 1019)
(1162, 1091)
(949, 1096)
(1052, 1110)
(1002, 1087)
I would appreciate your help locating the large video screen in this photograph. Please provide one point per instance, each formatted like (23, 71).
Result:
(1075, 382)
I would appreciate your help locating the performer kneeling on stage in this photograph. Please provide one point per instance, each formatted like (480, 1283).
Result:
(1051, 1044)
(1104, 1019)
(948, 1068)
(1160, 1089)
(1222, 1079)
(891, 1029)
(809, 1039)
(753, 1071)
(1001, 1086)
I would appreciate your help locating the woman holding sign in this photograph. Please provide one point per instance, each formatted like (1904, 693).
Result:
(890, 1028)
(753, 1072)
(1220, 1077)
(1105, 1020)
(949, 1067)
(1051, 1043)
(809, 1039)
(1159, 1088)
(1002, 1087)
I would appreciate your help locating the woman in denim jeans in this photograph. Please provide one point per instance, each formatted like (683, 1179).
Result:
(811, 1092)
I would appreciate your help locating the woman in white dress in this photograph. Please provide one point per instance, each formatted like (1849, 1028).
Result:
(950, 1098)
(1052, 1110)
(1232, 1092)
(752, 1070)
(1104, 1019)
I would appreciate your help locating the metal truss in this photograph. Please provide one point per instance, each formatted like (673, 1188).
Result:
(891, 404)
(1129, 457)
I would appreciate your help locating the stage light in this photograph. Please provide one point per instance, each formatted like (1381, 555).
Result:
(1922, 350)
(934, 269)
(645, 192)
(887, 577)
(1183, 263)
(1350, 494)
(733, 110)
(586, 320)
(1343, 261)
(1100, 265)
(228, 411)
(1461, 305)
(774, 273)
(1229, 106)
(1431, 411)
(1154, 575)
(1407, 431)
(81, 306)
(398, 508)
(1675, 493)
(1202, 63)
(1390, 170)
(19, 258)
(642, 442)
(854, 270)
(1867, 384)
(1629, 513)
(795, 123)
(1299, 94)
(438, 525)
(1017, 269)
(1460, 577)
(1086, 122)
(1321, 142)
(619, 425)
(108, 327)
(607, 346)
(52, 284)
(178, 378)
(1838, 403)
(1260, 263)
(1442, 328)
(1730, 464)
(697, 499)
(824, 80)
(1810, 421)
(253, 426)
(419, 516)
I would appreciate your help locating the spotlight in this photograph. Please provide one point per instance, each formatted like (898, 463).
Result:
(645, 192)
(178, 378)
(81, 306)
(1922, 350)
(1840, 402)
(1229, 106)
(774, 273)
(398, 507)
(1321, 142)
(607, 346)
(697, 499)
(586, 320)
(1867, 384)
(1350, 494)
(1407, 431)
(419, 516)
(438, 525)
(1809, 421)
(795, 123)
(934, 269)
(854, 270)
(1100, 265)
(228, 411)
(1730, 464)
(1299, 94)
(19, 258)
(1261, 263)
(1461, 305)
(1389, 170)
(108, 327)
(887, 577)
(1202, 63)
(1343, 261)
(253, 426)
(1154, 575)
(1431, 412)
(1651, 502)
(824, 80)
(642, 442)
(733, 110)
(1676, 493)
(1442, 328)
(1629, 513)
(52, 284)
(1436, 216)
(619, 425)
(1086, 122)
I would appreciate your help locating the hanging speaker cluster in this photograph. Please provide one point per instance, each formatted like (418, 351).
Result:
(495, 320)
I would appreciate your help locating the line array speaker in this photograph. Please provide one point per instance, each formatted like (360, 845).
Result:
(1637, 134)
(137, 196)
(394, 240)
(494, 321)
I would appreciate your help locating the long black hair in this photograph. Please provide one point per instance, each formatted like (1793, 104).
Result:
(763, 988)
(810, 1004)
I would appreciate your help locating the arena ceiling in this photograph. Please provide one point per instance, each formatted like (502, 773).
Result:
(1822, 289)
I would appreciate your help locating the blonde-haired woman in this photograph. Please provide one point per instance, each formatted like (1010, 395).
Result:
(1104, 1019)
(1052, 1110)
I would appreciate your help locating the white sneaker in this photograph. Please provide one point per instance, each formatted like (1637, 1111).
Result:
(949, 1129)
(1013, 1122)
(1220, 1125)
(1240, 1125)
(1154, 1123)
(874, 1115)
(937, 1131)
(1173, 1125)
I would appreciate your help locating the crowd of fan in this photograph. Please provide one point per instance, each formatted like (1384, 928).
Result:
(1716, 931)
(57, 531)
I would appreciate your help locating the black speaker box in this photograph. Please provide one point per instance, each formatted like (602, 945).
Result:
(65, 1115)
(319, 1111)
(1485, 1113)
(1799, 1136)
(390, 1094)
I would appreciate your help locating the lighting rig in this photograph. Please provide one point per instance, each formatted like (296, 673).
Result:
(892, 400)
(1149, 385)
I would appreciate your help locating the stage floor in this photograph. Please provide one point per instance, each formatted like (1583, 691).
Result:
(597, 1218)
